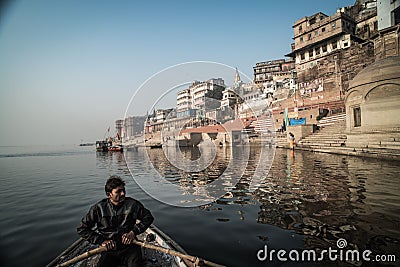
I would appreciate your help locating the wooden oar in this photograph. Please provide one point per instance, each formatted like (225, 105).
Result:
(98, 250)
(83, 256)
(193, 259)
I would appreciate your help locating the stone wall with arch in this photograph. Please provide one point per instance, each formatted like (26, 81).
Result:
(382, 106)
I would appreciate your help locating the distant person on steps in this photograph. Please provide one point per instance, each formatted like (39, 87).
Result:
(114, 223)
(291, 141)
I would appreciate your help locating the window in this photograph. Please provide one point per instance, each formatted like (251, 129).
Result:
(334, 45)
(346, 44)
(311, 53)
(395, 14)
(301, 39)
(309, 36)
(317, 51)
(302, 56)
(333, 24)
(323, 29)
(300, 28)
(324, 49)
(316, 33)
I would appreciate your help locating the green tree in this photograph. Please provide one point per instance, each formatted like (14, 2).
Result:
(216, 93)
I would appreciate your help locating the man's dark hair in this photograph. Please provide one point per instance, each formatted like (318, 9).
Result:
(113, 182)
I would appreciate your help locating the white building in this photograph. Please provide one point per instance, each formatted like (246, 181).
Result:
(388, 12)
(184, 100)
(229, 98)
(192, 100)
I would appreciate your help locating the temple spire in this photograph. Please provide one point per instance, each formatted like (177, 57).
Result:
(237, 77)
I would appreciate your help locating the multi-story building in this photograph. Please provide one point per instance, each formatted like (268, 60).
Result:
(229, 98)
(274, 77)
(192, 101)
(133, 125)
(264, 71)
(119, 128)
(365, 15)
(184, 100)
(328, 53)
(199, 91)
(319, 35)
(155, 121)
(129, 127)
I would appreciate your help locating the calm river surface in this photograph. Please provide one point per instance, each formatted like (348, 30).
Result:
(306, 201)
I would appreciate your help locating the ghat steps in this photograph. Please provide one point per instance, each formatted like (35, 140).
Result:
(332, 138)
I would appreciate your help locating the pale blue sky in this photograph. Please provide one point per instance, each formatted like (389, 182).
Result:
(68, 69)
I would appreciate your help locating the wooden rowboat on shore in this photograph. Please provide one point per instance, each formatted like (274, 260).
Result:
(152, 257)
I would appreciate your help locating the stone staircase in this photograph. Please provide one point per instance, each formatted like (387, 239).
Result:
(331, 134)
(281, 140)
(331, 120)
(332, 138)
(263, 124)
(388, 140)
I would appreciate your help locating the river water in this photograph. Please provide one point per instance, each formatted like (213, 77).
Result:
(307, 201)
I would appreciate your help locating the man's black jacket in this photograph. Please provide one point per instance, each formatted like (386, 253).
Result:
(106, 221)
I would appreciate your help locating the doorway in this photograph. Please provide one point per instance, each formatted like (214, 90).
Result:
(357, 116)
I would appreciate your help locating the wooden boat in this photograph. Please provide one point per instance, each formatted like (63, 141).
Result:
(105, 146)
(117, 148)
(153, 258)
(102, 146)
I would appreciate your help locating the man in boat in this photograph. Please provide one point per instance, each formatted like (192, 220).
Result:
(114, 223)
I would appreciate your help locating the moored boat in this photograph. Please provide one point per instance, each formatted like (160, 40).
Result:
(102, 145)
(158, 145)
(152, 257)
(118, 148)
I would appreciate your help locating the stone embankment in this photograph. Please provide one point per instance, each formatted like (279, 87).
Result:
(331, 138)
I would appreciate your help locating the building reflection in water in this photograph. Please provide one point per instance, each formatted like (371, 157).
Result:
(326, 197)
(188, 176)
(114, 162)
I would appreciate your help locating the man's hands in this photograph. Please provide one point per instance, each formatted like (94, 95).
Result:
(109, 244)
(128, 238)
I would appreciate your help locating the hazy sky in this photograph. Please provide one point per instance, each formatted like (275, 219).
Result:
(69, 69)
